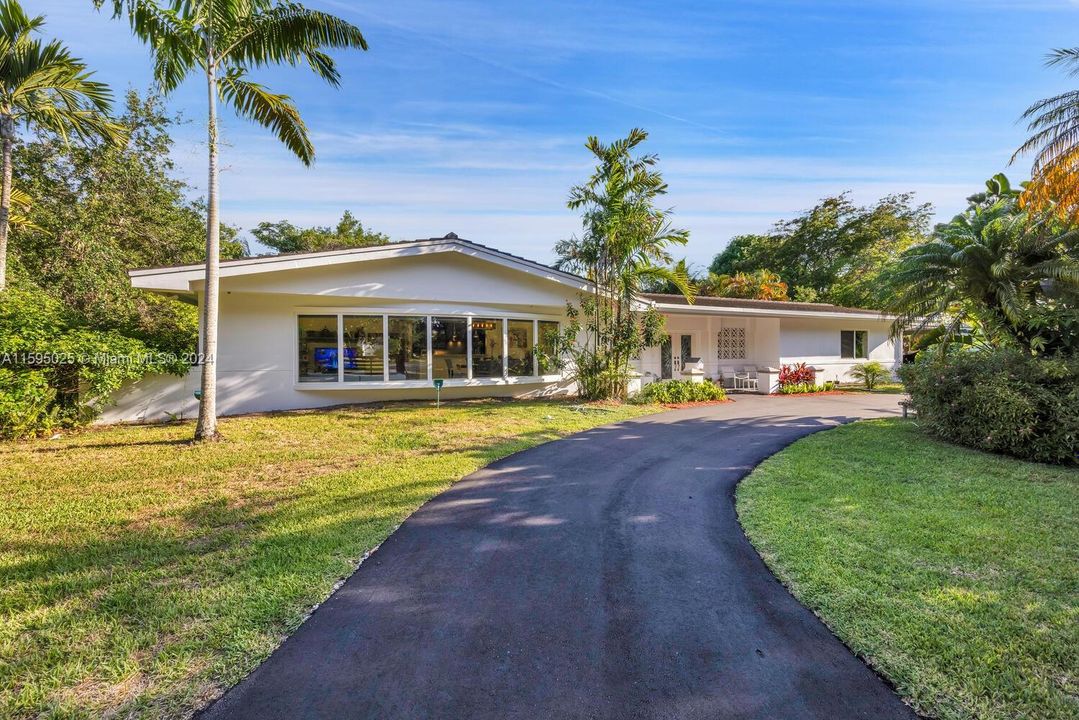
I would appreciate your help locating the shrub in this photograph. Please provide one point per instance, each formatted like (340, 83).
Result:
(805, 387)
(26, 404)
(798, 374)
(1000, 401)
(681, 391)
(870, 374)
(55, 370)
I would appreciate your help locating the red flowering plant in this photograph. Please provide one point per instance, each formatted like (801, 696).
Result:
(797, 375)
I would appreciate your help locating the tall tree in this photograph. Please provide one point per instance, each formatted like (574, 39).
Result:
(1011, 273)
(349, 232)
(833, 252)
(222, 40)
(625, 243)
(42, 85)
(1054, 142)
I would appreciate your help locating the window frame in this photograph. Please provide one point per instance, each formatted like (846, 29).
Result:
(854, 344)
(428, 314)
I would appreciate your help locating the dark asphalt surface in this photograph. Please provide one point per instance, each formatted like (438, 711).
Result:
(600, 576)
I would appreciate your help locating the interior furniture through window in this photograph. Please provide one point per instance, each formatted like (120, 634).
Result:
(407, 347)
(355, 348)
(520, 354)
(363, 359)
(487, 347)
(449, 347)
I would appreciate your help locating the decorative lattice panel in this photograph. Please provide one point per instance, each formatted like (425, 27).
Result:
(732, 343)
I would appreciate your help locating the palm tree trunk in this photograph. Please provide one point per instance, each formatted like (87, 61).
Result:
(7, 133)
(206, 429)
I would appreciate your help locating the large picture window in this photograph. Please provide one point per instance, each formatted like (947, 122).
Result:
(449, 347)
(854, 344)
(318, 348)
(408, 348)
(347, 349)
(363, 359)
(486, 347)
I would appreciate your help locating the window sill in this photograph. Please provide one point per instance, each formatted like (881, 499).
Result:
(428, 384)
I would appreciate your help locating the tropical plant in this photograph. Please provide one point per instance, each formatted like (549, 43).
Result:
(222, 40)
(624, 245)
(833, 252)
(1011, 272)
(871, 374)
(681, 391)
(757, 285)
(1054, 126)
(41, 85)
(797, 374)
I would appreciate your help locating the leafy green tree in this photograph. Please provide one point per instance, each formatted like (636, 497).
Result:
(1012, 273)
(222, 40)
(349, 232)
(744, 253)
(836, 250)
(72, 328)
(103, 209)
(624, 245)
(42, 85)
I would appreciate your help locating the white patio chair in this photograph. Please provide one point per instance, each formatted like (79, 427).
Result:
(736, 378)
(750, 377)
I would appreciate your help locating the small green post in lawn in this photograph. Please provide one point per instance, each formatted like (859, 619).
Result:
(438, 392)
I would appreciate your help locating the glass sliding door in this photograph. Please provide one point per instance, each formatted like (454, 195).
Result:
(318, 360)
(449, 348)
(408, 348)
(487, 347)
(363, 359)
(520, 353)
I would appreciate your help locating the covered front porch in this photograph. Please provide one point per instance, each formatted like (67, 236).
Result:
(714, 345)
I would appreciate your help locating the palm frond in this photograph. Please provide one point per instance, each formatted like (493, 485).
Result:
(290, 33)
(274, 112)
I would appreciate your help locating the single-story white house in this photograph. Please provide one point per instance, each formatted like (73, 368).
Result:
(384, 323)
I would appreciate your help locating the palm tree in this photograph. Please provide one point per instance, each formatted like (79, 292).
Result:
(1054, 124)
(222, 40)
(624, 247)
(41, 85)
(1000, 267)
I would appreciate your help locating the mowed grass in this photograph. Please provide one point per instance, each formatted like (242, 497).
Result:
(953, 572)
(141, 575)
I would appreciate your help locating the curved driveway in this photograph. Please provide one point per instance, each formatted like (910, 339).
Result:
(600, 576)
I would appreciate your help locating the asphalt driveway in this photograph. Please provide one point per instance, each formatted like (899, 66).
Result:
(600, 576)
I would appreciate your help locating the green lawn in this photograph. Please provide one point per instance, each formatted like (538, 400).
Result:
(141, 575)
(953, 572)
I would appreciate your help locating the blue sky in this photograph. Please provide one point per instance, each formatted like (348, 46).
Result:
(471, 116)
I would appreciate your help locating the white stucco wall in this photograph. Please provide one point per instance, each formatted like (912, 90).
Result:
(816, 342)
(257, 357)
